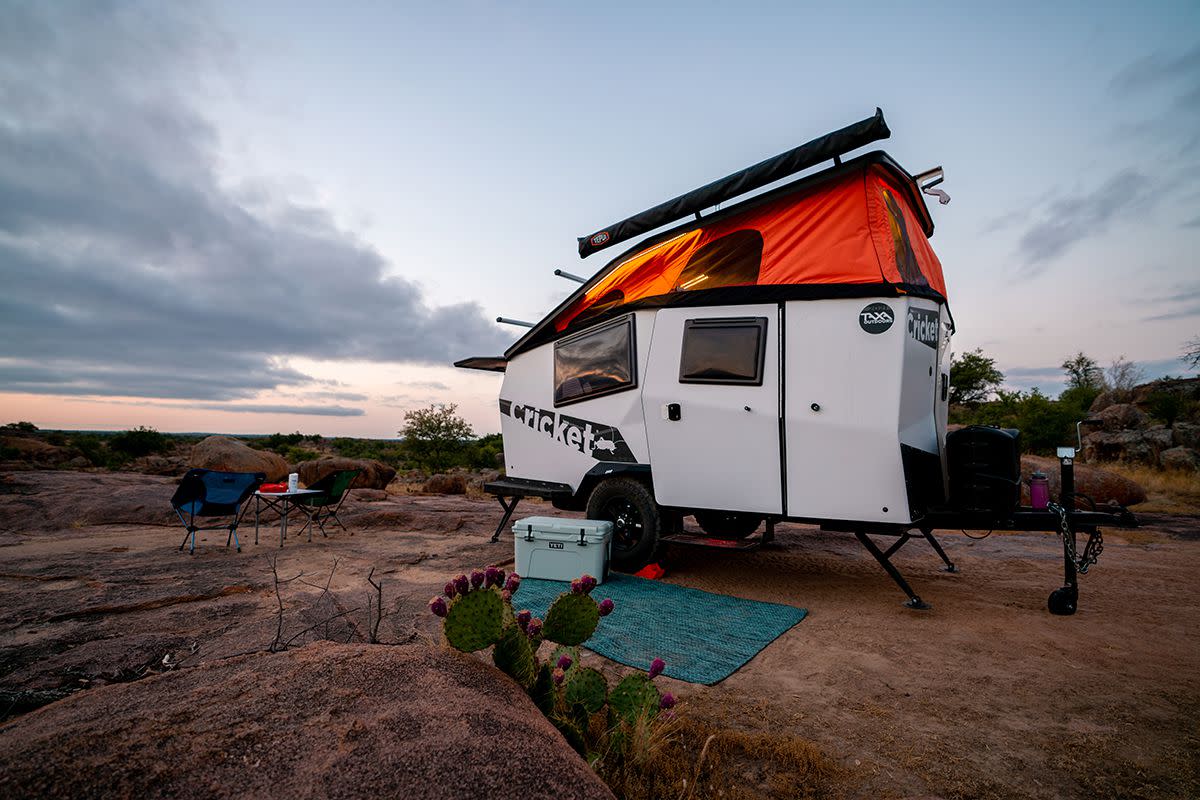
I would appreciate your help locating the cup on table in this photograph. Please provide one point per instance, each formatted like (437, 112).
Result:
(293, 481)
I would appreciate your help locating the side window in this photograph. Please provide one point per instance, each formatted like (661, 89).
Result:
(724, 351)
(733, 260)
(595, 362)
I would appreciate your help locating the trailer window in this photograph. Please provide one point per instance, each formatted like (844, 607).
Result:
(723, 351)
(732, 260)
(595, 362)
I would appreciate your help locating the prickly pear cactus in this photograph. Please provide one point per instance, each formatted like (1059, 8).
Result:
(543, 690)
(572, 733)
(572, 618)
(474, 621)
(514, 655)
(586, 687)
(634, 696)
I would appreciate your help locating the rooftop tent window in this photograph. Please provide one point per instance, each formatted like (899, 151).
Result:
(723, 351)
(595, 362)
(733, 260)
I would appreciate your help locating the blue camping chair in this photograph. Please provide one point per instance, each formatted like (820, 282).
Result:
(206, 493)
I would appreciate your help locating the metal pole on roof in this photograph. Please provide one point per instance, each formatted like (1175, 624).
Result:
(520, 322)
(562, 273)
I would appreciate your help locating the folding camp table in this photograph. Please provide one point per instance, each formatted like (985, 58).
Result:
(281, 502)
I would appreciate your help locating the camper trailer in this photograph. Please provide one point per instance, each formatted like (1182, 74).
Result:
(785, 357)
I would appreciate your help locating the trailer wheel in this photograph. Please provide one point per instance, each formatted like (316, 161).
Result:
(728, 524)
(630, 507)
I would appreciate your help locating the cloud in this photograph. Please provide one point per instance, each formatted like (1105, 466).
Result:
(318, 411)
(1157, 69)
(130, 269)
(1071, 219)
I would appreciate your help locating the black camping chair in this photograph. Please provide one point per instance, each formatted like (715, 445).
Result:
(206, 493)
(324, 507)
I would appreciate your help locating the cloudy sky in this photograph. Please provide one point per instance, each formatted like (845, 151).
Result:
(251, 217)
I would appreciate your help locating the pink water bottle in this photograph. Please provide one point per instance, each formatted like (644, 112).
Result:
(1039, 491)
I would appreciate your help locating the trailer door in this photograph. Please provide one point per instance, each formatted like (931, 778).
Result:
(711, 401)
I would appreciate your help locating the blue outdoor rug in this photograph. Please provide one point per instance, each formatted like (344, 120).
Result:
(703, 637)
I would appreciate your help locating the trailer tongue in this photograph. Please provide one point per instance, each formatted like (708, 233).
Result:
(704, 370)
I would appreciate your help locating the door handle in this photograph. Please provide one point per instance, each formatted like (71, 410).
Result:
(674, 412)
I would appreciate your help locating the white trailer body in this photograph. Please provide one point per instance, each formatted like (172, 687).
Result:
(820, 433)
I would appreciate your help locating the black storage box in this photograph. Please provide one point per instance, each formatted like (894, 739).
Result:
(985, 469)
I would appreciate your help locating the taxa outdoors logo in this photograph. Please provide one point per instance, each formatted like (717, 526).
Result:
(601, 442)
(876, 318)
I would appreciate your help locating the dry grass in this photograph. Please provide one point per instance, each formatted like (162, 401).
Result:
(1167, 491)
(681, 758)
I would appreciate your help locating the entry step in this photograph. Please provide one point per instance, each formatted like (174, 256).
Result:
(694, 540)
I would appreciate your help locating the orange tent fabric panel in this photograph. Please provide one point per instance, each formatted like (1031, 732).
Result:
(856, 229)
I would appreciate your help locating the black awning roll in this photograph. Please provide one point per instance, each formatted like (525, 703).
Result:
(806, 155)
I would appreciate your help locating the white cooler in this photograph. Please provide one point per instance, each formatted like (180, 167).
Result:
(557, 549)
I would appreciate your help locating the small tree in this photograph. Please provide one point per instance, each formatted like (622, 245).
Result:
(973, 378)
(1122, 376)
(1083, 372)
(436, 437)
(1191, 353)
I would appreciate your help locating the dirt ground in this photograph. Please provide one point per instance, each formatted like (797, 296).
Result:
(984, 695)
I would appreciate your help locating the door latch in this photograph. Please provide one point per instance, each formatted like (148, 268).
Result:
(674, 412)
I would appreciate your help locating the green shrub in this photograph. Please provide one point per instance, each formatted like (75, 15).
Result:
(141, 441)
(23, 427)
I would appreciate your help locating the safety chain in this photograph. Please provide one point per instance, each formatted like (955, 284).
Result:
(1091, 550)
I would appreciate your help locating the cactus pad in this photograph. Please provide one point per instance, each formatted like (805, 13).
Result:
(572, 733)
(543, 690)
(586, 687)
(634, 696)
(572, 619)
(474, 621)
(514, 655)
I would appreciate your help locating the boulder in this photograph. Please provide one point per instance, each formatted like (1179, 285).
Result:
(371, 474)
(231, 455)
(1140, 447)
(1186, 434)
(446, 484)
(332, 720)
(1102, 401)
(1183, 459)
(1101, 485)
(1123, 416)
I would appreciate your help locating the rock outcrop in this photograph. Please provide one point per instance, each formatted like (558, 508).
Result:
(1134, 446)
(231, 455)
(37, 453)
(1101, 485)
(326, 720)
(371, 474)
(1122, 416)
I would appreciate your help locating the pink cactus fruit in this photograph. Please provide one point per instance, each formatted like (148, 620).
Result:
(492, 577)
(656, 668)
(449, 590)
(667, 701)
(606, 606)
(438, 606)
(476, 578)
(462, 584)
(534, 629)
(513, 583)
(588, 583)
(558, 676)
(565, 661)
(506, 595)
(577, 586)
(523, 618)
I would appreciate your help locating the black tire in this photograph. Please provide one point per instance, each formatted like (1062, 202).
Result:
(728, 524)
(630, 507)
